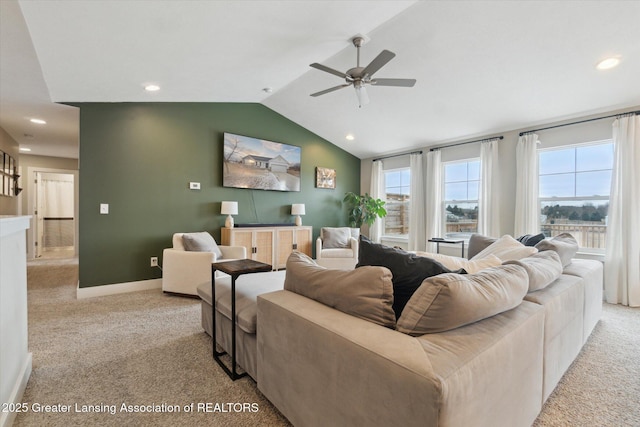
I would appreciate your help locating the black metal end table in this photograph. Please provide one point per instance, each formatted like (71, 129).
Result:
(233, 269)
(437, 241)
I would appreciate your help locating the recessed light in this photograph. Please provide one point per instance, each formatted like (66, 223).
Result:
(25, 149)
(38, 121)
(152, 88)
(350, 137)
(608, 63)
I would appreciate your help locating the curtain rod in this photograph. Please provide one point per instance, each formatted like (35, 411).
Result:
(468, 142)
(397, 155)
(581, 121)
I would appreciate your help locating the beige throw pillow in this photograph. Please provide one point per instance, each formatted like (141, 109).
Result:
(506, 248)
(451, 300)
(455, 263)
(542, 268)
(564, 244)
(366, 292)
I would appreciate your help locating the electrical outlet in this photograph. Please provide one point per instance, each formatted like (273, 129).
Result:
(154, 261)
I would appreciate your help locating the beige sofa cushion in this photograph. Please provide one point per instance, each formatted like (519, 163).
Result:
(564, 244)
(451, 300)
(506, 248)
(366, 292)
(455, 263)
(542, 268)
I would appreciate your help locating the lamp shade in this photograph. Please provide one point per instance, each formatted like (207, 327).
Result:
(297, 209)
(229, 208)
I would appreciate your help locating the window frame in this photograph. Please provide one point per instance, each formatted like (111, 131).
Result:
(396, 237)
(458, 235)
(574, 198)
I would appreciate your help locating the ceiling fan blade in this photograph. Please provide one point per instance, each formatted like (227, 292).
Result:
(328, 70)
(322, 92)
(394, 82)
(378, 62)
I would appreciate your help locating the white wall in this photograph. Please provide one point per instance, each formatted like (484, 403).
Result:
(15, 359)
(586, 132)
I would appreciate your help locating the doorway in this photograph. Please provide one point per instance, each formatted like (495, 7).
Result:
(54, 211)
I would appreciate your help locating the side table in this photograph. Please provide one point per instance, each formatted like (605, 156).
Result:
(437, 241)
(233, 269)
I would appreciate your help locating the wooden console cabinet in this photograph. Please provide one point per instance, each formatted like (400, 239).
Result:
(271, 245)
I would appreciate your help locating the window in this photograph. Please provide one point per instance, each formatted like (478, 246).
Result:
(574, 185)
(397, 189)
(461, 188)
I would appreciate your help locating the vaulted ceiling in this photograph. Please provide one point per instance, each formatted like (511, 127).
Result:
(481, 66)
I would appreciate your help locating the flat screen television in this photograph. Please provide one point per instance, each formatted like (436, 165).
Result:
(260, 164)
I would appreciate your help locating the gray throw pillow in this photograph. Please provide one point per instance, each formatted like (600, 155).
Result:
(477, 243)
(365, 292)
(336, 237)
(564, 244)
(450, 300)
(201, 242)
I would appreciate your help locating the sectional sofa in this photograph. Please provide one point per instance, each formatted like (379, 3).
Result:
(328, 349)
(321, 366)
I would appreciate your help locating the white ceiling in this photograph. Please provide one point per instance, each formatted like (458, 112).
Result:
(482, 66)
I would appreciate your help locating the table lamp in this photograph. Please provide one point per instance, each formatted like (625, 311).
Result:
(229, 208)
(297, 209)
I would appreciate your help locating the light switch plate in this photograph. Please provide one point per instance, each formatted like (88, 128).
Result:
(104, 208)
(194, 185)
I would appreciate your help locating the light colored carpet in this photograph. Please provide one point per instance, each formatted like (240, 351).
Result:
(148, 348)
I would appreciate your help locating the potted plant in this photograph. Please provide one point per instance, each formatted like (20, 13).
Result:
(364, 209)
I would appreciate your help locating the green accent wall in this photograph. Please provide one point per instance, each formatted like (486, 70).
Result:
(140, 157)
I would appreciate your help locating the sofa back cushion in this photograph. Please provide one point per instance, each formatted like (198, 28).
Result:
(449, 301)
(542, 268)
(365, 292)
(564, 244)
(477, 243)
(409, 270)
(454, 263)
(506, 248)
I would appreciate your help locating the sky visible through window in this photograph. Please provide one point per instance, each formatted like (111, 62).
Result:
(398, 181)
(576, 172)
(462, 180)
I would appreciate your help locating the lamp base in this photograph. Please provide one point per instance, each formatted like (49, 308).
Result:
(228, 223)
(298, 221)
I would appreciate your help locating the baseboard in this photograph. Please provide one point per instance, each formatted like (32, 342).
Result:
(7, 418)
(118, 288)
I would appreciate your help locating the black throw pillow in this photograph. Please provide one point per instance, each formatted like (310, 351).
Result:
(530, 239)
(409, 270)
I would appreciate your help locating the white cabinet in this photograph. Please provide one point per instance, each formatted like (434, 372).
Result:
(271, 245)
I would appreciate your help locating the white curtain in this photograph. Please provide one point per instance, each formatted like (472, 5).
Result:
(622, 259)
(527, 214)
(58, 198)
(417, 222)
(488, 200)
(433, 211)
(377, 192)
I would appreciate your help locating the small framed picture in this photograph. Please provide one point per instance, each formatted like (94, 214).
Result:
(325, 178)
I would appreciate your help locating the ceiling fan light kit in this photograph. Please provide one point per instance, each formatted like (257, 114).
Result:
(359, 76)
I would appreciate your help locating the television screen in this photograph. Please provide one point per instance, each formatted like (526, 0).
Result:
(260, 164)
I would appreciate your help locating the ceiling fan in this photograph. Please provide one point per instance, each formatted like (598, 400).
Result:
(361, 76)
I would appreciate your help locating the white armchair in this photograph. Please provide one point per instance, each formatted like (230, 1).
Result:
(183, 270)
(337, 247)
